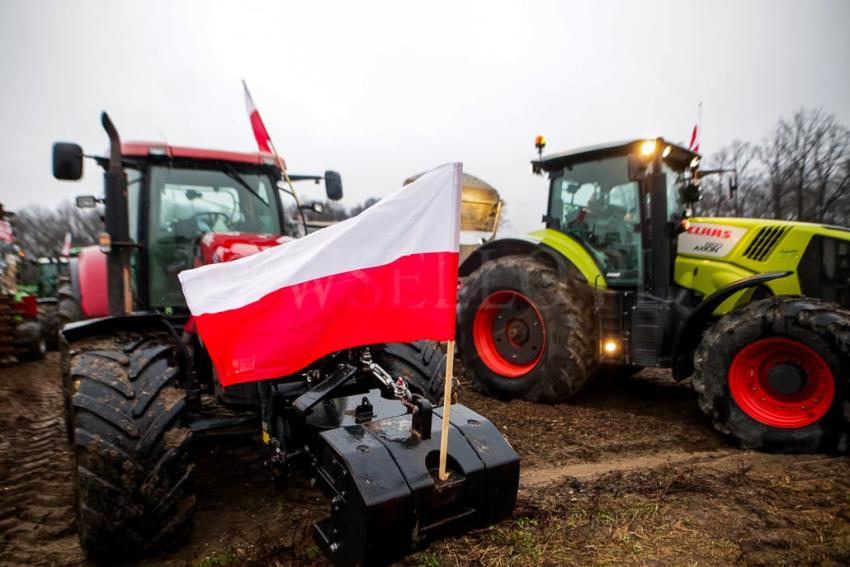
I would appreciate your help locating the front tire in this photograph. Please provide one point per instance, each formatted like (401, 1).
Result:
(773, 375)
(525, 332)
(131, 443)
(422, 364)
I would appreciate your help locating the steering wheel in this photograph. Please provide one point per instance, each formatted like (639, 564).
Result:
(211, 217)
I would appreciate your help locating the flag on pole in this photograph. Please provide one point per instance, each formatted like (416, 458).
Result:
(260, 132)
(386, 275)
(694, 143)
(66, 245)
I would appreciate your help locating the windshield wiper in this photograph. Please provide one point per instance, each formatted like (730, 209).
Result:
(234, 175)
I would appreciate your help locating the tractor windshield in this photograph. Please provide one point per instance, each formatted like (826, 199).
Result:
(185, 204)
(596, 203)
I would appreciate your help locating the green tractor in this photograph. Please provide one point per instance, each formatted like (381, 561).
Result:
(756, 312)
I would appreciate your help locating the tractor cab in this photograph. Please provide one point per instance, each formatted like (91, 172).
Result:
(185, 207)
(596, 198)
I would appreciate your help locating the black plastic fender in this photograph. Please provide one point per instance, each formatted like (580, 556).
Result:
(107, 325)
(690, 334)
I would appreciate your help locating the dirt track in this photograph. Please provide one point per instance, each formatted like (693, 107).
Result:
(629, 473)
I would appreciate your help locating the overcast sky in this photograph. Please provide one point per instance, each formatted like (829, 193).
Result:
(380, 91)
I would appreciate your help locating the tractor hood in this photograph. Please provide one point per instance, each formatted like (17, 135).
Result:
(226, 246)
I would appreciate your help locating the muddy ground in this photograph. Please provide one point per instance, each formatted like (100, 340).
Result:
(630, 473)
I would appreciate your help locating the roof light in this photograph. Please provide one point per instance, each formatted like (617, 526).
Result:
(666, 152)
(540, 141)
(647, 148)
(157, 151)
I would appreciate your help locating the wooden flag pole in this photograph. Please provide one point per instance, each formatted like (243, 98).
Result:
(447, 404)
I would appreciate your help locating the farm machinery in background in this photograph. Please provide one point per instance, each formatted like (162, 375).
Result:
(138, 383)
(22, 327)
(480, 212)
(623, 277)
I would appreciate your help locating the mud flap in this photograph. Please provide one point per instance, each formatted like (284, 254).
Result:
(385, 499)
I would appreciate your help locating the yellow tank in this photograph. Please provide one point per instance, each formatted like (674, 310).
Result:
(480, 212)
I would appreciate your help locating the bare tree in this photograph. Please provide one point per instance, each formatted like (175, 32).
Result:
(717, 198)
(41, 231)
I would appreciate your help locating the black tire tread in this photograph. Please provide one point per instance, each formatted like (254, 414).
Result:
(422, 364)
(569, 362)
(797, 318)
(67, 304)
(134, 490)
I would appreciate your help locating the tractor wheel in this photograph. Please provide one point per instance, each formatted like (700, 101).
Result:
(525, 333)
(68, 304)
(31, 344)
(131, 443)
(774, 375)
(422, 365)
(48, 316)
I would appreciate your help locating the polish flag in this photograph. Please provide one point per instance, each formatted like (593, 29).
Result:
(387, 275)
(694, 144)
(260, 132)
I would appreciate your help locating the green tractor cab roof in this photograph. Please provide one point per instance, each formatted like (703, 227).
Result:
(678, 156)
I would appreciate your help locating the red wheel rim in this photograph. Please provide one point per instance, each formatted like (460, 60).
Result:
(509, 333)
(781, 383)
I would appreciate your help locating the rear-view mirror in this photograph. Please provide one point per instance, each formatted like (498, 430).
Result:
(86, 202)
(333, 185)
(691, 193)
(67, 161)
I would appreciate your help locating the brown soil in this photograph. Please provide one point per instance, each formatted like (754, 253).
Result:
(629, 473)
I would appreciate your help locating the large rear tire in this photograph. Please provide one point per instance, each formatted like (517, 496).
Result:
(51, 323)
(774, 375)
(67, 303)
(422, 364)
(525, 332)
(131, 443)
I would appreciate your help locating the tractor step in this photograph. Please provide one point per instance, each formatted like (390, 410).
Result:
(386, 500)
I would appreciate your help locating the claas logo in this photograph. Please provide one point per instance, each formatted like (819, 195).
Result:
(709, 231)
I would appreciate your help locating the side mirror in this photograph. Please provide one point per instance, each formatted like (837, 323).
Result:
(67, 161)
(691, 193)
(86, 202)
(333, 185)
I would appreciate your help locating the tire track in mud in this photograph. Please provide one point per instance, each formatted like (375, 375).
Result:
(36, 508)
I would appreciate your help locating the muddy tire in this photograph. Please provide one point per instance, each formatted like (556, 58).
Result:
(67, 304)
(774, 375)
(525, 332)
(422, 364)
(134, 490)
(51, 322)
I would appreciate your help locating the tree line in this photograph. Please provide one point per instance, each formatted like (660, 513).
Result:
(800, 171)
(40, 231)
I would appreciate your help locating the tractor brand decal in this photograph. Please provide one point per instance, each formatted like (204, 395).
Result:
(710, 239)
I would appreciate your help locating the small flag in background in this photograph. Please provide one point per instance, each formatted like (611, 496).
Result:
(694, 144)
(260, 132)
(66, 245)
(387, 275)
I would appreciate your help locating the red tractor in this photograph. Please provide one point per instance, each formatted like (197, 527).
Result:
(139, 383)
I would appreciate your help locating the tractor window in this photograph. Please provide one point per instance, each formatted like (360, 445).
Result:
(596, 203)
(186, 204)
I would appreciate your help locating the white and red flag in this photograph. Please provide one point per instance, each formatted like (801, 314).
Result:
(387, 275)
(693, 145)
(260, 132)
